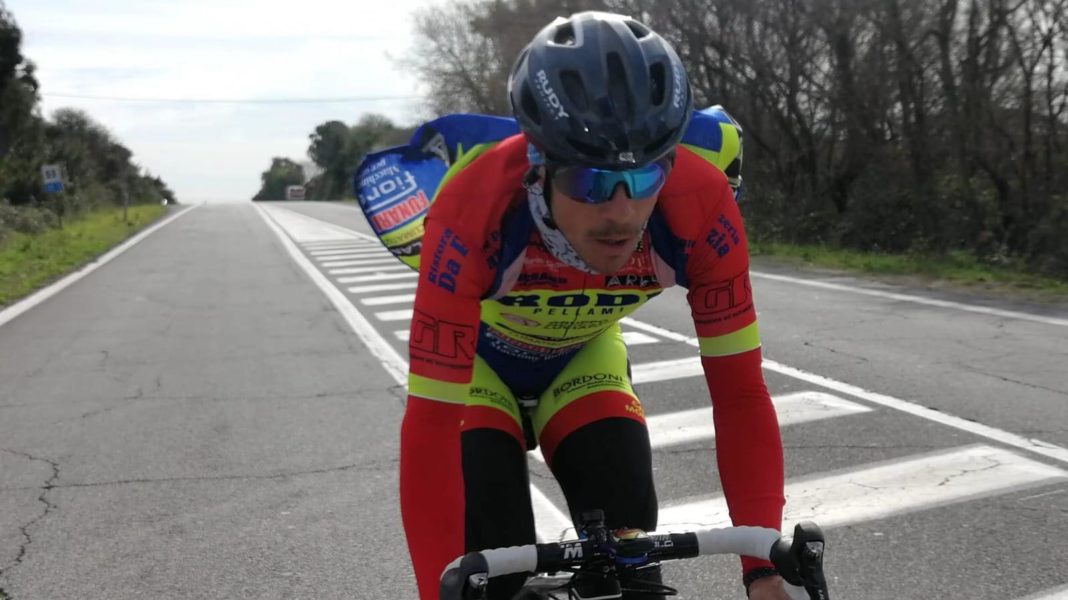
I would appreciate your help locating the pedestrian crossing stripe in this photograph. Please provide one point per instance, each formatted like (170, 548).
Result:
(696, 425)
(856, 495)
(358, 262)
(379, 276)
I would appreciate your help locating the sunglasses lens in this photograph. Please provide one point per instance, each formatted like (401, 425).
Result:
(595, 186)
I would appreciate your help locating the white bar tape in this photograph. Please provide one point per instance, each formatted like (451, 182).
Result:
(747, 541)
(517, 559)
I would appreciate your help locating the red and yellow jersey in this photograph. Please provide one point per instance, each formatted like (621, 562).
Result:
(488, 281)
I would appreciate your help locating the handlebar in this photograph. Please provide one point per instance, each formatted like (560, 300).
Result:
(799, 560)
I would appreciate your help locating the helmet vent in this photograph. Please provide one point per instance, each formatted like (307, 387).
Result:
(657, 84)
(637, 28)
(575, 90)
(618, 88)
(565, 35)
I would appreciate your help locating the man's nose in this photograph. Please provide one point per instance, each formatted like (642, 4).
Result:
(620, 203)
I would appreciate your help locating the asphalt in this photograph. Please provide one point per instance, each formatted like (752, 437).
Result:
(196, 419)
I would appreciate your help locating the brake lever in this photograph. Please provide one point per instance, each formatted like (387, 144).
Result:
(801, 562)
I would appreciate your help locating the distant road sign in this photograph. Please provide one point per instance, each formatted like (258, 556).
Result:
(53, 178)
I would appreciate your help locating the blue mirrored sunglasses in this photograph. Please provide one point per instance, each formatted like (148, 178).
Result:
(595, 186)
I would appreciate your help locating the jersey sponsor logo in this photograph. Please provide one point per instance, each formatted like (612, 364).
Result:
(401, 213)
(433, 337)
(540, 279)
(633, 280)
(723, 299)
(635, 408)
(598, 300)
(444, 274)
(718, 237)
(411, 249)
(494, 397)
(588, 382)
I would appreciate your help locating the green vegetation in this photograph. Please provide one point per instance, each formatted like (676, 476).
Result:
(28, 261)
(957, 267)
(336, 149)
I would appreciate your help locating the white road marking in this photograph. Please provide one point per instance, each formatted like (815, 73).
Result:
(1033, 445)
(362, 261)
(306, 229)
(380, 300)
(637, 338)
(696, 424)
(324, 254)
(997, 312)
(551, 523)
(664, 370)
(45, 293)
(800, 407)
(396, 366)
(960, 470)
(385, 287)
(349, 243)
(886, 489)
(410, 274)
(402, 334)
(394, 315)
(1058, 593)
(379, 268)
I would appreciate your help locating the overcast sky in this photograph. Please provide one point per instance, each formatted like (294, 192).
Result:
(220, 49)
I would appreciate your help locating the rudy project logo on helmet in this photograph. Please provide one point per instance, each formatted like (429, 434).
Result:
(548, 94)
(679, 77)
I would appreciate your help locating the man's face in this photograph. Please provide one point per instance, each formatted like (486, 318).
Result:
(606, 234)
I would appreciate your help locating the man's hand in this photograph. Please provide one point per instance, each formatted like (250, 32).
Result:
(768, 588)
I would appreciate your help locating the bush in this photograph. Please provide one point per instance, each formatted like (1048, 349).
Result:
(25, 219)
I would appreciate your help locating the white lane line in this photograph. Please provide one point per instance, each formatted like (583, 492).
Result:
(696, 424)
(1036, 446)
(637, 338)
(800, 407)
(45, 293)
(410, 274)
(380, 300)
(887, 489)
(305, 229)
(552, 524)
(997, 312)
(398, 266)
(324, 226)
(396, 366)
(1058, 593)
(402, 334)
(394, 315)
(385, 287)
(362, 261)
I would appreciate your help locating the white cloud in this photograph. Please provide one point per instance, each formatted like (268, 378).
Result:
(219, 49)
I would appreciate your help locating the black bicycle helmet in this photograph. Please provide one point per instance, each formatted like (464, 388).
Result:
(601, 89)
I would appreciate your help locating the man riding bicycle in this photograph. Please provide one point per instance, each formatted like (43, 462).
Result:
(531, 254)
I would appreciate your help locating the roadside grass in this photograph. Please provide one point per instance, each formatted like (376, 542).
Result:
(28, 262)
(956, 268)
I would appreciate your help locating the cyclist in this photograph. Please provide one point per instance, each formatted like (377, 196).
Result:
(531, 254)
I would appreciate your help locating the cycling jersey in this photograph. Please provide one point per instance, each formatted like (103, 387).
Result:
(498, 316)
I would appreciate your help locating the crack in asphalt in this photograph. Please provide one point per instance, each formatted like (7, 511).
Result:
(48, 486)
(378, 466)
